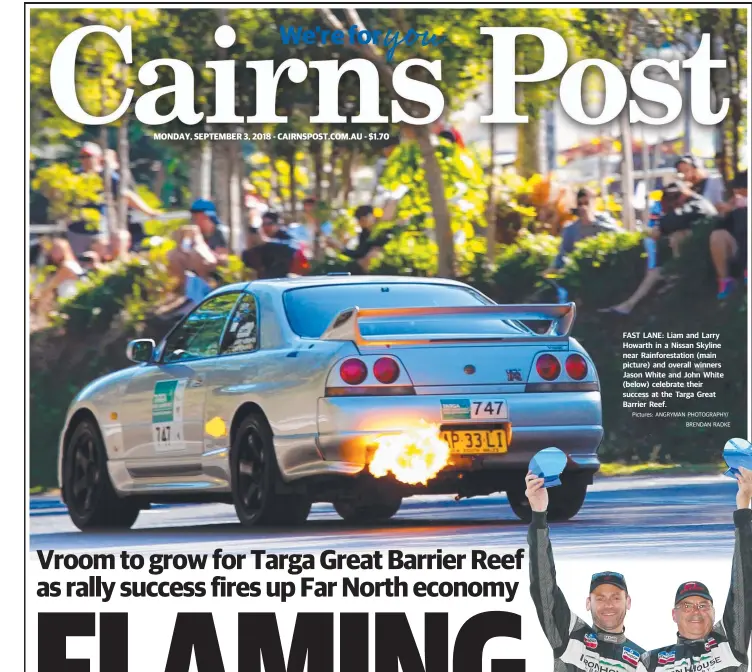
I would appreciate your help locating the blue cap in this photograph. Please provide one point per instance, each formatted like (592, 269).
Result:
(203, 205)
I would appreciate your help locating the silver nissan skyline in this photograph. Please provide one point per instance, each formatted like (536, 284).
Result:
(273, 394)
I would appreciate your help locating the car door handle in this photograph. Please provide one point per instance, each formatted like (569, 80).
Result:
(198, 381)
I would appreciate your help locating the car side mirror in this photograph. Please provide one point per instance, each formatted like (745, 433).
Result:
(140, 350)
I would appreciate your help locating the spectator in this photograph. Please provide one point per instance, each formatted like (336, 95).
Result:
(63, 283)
(728, 242)
(136, 231)
(682, 208)
(202, 248)
(692, 171)
(588, 223)
(83, 235)
(272, 229)
(272, 257)
(368, 245)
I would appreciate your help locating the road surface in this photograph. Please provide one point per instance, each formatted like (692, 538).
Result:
(632, 517)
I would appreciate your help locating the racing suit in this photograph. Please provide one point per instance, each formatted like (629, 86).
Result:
(725, 648)
(576, 645)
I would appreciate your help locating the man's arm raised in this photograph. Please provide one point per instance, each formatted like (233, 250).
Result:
(737, 616)
(553, 612)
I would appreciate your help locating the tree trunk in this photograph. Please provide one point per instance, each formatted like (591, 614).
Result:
(222, 178)
(293, 186)
(332, 188)
(627, 158)
(528, 149)
(195, 172)
(436, 190)
(491, 205)
(348, 165)
(735, 103)
(235, 196)
(125, 170)
(318, 168)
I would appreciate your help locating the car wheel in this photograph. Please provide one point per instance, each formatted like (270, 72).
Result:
(255, 477)
(564, 501)
(354, 512)
(89, 494)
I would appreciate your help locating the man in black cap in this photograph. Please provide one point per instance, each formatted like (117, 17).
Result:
(576, 644)
(701, 645)
(692, 171)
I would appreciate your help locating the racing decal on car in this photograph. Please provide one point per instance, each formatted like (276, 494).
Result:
(591, 641)
(666, 657)
(455, 409)
(167, 415)
(514, 375)
(630, 655)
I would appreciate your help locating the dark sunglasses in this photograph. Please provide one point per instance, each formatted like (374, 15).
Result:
(601, 575)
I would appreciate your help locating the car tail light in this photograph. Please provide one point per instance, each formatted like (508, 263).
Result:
(576, 367)
(548, 367)
(353, 371)
(386, 370)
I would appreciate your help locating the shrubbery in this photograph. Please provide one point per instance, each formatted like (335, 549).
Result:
(89, 340)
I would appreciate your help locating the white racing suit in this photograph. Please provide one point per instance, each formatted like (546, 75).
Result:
(576, 645)
(726, 648)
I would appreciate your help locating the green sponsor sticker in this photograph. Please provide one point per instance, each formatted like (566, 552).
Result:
(163, 401)
(455, 409)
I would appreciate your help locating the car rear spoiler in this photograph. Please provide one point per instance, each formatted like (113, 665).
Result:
(346, 327)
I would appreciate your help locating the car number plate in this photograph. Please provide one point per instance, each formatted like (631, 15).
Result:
(476, 442)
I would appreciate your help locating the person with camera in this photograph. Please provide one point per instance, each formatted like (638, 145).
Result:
(588, 223)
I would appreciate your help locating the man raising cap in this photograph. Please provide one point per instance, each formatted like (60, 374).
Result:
(576, 644)
(702, 644)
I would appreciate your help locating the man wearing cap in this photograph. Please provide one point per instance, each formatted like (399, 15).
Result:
(201, 247)
(700, 645)
(576, 644)
(692, 171)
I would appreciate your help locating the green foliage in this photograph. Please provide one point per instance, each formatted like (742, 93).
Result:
(518, 266)
(67, 191)
(597, 261)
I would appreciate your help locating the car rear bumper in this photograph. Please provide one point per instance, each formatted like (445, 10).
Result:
(350, 426)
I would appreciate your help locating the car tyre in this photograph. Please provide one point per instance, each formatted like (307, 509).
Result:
(564, 501)
(255, 479)
(354, 512)
(89, 494)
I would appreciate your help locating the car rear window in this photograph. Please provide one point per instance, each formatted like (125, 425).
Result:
(310, 310)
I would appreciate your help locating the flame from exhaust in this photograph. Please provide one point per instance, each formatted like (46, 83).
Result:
(413, 456)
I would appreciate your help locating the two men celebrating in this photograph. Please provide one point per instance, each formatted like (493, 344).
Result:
(702, 645)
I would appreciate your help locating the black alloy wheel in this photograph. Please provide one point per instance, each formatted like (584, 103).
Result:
(88, 492)
(256, 480)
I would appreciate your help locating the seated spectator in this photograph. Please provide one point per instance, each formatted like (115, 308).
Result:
(588, 223)
(63, 283)
(728, 242)
(691, 170)
(682, 208)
